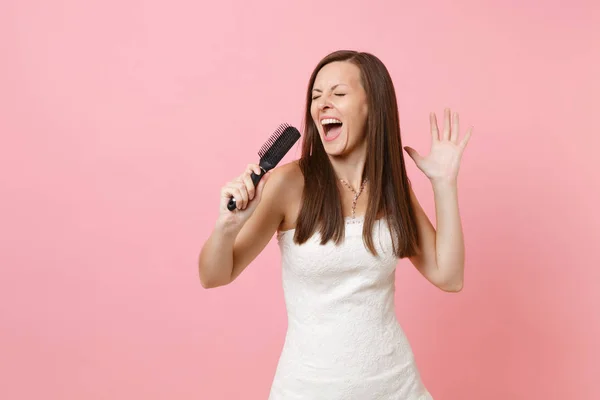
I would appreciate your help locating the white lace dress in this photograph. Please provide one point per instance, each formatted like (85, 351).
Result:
(343, 339)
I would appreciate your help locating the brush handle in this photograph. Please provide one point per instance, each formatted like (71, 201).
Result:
(255, 179)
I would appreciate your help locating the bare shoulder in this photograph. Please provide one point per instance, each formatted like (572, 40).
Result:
(281, 196)
(288, 185)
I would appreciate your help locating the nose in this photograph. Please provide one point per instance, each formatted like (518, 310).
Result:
(324, 104)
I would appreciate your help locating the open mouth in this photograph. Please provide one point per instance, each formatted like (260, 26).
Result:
(332, 127)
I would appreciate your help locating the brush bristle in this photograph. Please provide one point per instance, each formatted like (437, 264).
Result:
(280, 142)
(272, 139)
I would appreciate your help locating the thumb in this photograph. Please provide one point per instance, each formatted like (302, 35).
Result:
(413, 154)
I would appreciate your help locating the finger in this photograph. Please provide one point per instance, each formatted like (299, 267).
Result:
(455, 128)
(239, 197)
(435, 133)
(413, 154)
(465, 140)
(241, 186)
(254, 168)
(230, 191)
(238, 188)
(247, 179)
(446, 132)
(257, 170)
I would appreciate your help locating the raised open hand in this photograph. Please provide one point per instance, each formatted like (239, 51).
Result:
(443, 161)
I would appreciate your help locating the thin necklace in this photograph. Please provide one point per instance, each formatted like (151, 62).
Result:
(356, 194)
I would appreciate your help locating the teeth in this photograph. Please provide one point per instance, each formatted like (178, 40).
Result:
(331, 121)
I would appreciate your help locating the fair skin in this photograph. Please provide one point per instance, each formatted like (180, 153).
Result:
(239, 236)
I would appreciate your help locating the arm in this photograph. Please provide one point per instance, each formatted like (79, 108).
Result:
(440, 258)
(232, 245)
(441, 253)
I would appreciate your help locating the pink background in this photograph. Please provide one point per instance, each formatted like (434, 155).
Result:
(120, 121)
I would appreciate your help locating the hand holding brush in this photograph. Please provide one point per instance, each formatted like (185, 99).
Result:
(242, 195)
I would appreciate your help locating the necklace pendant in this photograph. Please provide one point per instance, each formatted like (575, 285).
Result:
(356, 194)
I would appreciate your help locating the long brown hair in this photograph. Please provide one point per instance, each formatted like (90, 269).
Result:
(389, 192)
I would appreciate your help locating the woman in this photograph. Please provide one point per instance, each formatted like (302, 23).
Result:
(343, 215)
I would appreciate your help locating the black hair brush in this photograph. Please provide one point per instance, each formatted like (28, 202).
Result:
(274, 149)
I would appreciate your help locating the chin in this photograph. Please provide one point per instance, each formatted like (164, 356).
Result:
(336, 147)
(336, 151)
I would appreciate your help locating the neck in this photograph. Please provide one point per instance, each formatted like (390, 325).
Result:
(350, 168)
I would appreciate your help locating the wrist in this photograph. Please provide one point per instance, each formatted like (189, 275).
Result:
(227, 228)
(444, 183)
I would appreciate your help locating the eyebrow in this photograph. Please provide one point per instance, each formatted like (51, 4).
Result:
(332, 88)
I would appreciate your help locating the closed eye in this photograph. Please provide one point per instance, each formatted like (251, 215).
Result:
(337, 94)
